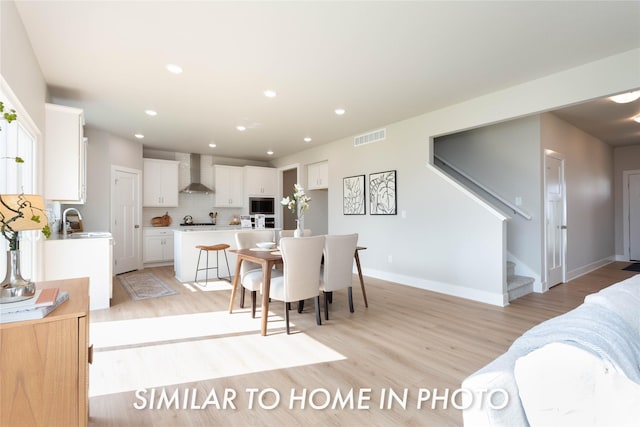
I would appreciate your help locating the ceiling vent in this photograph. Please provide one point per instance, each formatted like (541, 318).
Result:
(368, 138)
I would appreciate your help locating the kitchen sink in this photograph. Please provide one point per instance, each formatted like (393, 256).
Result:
(89, 234)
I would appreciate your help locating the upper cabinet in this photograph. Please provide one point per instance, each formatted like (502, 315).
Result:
(229, 186)
(160, 183)
(318, 176)
(65, 159)
(261, 181)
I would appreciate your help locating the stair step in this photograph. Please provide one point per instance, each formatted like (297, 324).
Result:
(518, 286)
(511, 268)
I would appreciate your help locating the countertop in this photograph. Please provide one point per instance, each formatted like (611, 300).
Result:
(80, 236)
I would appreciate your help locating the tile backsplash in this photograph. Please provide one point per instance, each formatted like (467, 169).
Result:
(196, 205)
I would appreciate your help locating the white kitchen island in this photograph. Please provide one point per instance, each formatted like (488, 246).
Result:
(186, 254)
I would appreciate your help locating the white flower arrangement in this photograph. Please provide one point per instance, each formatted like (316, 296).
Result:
(298, 202)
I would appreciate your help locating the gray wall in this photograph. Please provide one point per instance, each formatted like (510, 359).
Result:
(624, 159)
(506, 158)
(590, 200)
(104, 150)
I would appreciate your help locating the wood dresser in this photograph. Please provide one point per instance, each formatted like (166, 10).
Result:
(44, 363)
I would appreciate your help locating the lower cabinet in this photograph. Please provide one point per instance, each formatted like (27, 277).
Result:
(82, 257)
(44, 363)
(157, 245)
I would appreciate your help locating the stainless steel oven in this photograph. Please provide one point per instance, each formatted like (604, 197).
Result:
(262, 205)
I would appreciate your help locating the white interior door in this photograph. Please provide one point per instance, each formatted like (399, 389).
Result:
(555, 221)
(634, 217)
(125, 219)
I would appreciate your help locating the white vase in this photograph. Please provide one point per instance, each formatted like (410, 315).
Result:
(298, 231)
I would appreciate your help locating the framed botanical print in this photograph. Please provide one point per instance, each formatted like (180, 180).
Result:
(353, 195)
(382, 193)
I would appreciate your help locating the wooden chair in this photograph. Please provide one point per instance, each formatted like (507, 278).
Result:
(301, 257)
(337, 269)
(251, 273)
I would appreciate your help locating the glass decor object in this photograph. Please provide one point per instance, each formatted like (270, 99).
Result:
(19, 212)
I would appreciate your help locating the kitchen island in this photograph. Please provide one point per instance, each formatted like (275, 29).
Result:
(186, 254)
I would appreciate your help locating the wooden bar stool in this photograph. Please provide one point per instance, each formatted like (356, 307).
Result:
(217, 248)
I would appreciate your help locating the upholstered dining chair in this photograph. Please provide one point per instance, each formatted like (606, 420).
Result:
(289, 233)
(250, 272)
(337, 269)
(300, 280)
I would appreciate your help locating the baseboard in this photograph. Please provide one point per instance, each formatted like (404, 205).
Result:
(574, 274)
(500, 300)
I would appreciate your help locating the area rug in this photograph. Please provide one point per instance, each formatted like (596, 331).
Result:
(143, 285)
(633, 267)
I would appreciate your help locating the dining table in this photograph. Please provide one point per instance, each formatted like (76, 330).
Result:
(267, 259)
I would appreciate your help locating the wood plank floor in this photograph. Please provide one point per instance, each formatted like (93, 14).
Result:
(406, 339)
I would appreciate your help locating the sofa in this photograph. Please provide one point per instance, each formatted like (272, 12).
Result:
(578, 369)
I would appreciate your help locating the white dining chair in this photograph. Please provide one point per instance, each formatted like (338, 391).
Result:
(289, 233)
(250, 272)
(300, 280)
(337, 269)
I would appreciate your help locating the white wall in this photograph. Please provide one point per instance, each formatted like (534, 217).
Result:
(449, 241)
(22, 82)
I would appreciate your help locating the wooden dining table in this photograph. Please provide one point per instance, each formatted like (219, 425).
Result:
(267, 259)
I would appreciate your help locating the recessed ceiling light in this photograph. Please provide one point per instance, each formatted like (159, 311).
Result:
(624, 98)
(151, 112)
(307, 139)
(139, 135)
(241, 128)
(340, 111)
(637, 119)
(270, 93)
(212, 145)
(270, 153)
(173, 68)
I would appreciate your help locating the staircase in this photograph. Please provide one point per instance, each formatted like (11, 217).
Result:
(517, 286)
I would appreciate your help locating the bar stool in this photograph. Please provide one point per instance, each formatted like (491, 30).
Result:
(217, 248)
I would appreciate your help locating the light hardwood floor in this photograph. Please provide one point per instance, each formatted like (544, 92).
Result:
(406, 339)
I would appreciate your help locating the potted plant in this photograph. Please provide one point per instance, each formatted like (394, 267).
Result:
(297, 204)
(18, 212)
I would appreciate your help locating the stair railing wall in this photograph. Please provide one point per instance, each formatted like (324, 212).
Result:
(515, 209)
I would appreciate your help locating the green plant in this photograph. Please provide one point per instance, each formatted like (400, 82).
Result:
(10, 116)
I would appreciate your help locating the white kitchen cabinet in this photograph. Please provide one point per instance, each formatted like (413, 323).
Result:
(229, 186)
(260, 181)
(82, 257)
(157, 245)
(318, 176)
(160, 183)
(65, 157)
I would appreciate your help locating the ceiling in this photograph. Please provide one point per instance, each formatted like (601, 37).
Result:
(381, 61)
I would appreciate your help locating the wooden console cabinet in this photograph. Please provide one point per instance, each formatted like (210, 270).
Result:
(44, 363)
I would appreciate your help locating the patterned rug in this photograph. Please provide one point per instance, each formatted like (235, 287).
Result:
(143, 285)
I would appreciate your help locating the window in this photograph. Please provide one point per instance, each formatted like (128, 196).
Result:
(17, 141)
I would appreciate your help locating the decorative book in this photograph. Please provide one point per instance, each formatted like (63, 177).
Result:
(34, 310)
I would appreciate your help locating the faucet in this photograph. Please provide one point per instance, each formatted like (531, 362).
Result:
(64, 218)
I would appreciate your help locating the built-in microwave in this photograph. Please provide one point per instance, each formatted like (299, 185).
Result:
(262, 205)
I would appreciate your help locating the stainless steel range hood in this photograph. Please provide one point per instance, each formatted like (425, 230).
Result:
(194, 168)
